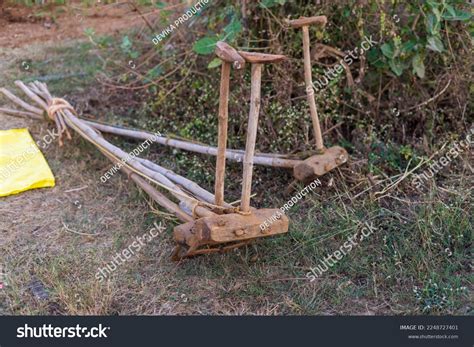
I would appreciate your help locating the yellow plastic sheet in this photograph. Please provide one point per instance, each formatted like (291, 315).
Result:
(22, 165)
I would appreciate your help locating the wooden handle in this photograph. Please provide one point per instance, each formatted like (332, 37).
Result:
(310, 92)
(256, 79)
(222, 133)
(228, 54)
(306, 21)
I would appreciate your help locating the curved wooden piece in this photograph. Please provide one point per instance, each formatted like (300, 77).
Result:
(306, 21)
(320, 164)
(261, 58)
(228, 54)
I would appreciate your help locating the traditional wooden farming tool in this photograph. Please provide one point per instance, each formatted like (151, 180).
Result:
(326, 159)
(206, 234)
(209, 227)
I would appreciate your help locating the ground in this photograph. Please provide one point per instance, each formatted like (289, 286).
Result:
(53, 241)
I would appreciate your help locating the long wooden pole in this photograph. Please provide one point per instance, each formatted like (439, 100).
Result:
(159, 198)
(267, 159)
(189, 185)
(310, 92)
(256, 79)
(222, 133)
(24, 114)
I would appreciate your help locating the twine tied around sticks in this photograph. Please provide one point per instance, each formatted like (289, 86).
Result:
(58, 104)
(55, 111)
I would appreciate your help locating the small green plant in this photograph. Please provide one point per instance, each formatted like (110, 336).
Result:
(411, 47)
(433, 297)
(127, 48)
(383, 154)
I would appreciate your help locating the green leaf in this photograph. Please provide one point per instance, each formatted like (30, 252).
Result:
(205, 45)
(450, 11)
(463, 16)
(89, 32)
(453, 14)
(418, 65)
(153, 73)
(396, 66)
(408, 46)
(375, 58)
(435, 44)
(388, 50)
(433, 4)
(214, 63)
(104, 41)
(346, 12)
(232, 29)
(433, 24)
(126, 44)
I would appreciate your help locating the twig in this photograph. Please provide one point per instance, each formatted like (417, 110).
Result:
(75, 189)
(429, 100)
(135, 7)
(16, 113)
(332, 128)
(77, 232)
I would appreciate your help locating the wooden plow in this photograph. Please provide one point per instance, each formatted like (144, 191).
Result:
(210, 224)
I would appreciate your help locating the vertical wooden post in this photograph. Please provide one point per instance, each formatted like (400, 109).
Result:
(310, 92)
(222, 133)
(251, 136)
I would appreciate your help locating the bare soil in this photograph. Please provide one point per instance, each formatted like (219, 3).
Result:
(21, 26)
